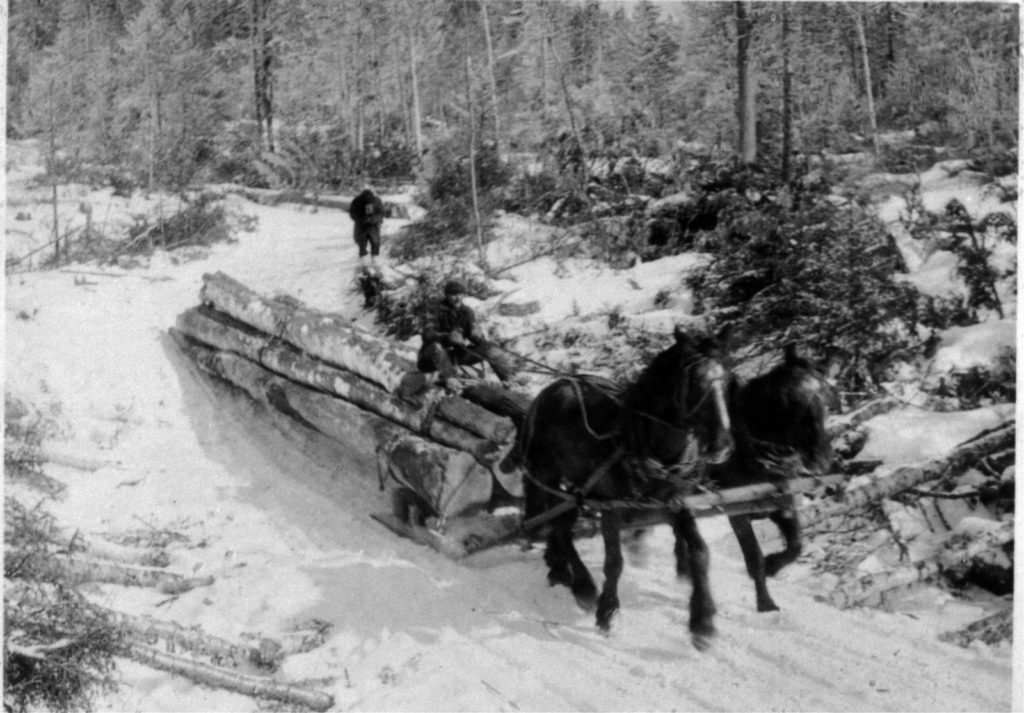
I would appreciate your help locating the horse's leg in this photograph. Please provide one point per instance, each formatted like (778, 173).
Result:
(559, 571)
(557, 559)
(788, 523)
(682, 553)
(754, 559)
(564, 563)
(608, 604)
(702, 606)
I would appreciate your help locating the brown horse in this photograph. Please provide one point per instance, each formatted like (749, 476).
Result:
(778, 422)
(584, 438)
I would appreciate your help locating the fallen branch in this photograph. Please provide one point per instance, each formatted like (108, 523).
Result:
(175, 637)
(69, 460)
(991, 630)
(876, 589)
(38, 652)
(838, 425)
(902, 479)
(78, 569)
(109, 551)
(253, 686)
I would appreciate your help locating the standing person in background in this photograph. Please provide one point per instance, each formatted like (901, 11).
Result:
(367, 213)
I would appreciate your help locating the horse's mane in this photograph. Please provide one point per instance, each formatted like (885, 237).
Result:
(783, 411)
(649, 387)
(652, 399)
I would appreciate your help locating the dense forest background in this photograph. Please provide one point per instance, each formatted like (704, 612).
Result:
(322, 93)
(747, 131)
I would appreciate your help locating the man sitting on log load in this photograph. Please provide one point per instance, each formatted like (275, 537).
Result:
(453, 339)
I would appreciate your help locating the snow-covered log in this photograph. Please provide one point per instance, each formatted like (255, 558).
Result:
(904, 478)
(878, 589)
(449, 480)
(255, 686)
(497, 399)
(461, 425)
(326, 336)
(837, 425)
(84, 569)
(149, 557)
(175, 637)
(991, 629)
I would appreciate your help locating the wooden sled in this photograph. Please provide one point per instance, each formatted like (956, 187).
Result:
(463, 536)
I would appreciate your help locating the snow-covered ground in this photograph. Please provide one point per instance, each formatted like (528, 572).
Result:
(280, 518)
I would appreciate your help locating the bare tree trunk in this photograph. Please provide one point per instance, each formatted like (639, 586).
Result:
(544, 73)
(53, 179)
(378, 82)
(262, 58)
(787, 100)
(858, 21)
(472, 147)
(403, 94)
(746, 105)
(360, 120)
(584, 164)
(417, 119)
(498, 142)
(152, 138)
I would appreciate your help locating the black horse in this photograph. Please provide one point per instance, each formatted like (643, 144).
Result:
(778, 422)
(597, 439)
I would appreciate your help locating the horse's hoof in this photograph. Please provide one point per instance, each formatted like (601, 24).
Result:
(767, 606)
(702, 642)
(586, 600)
(604, 621)
(702, 633)
(559, 576)
(775, 562)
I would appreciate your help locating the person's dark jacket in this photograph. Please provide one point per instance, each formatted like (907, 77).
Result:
(367, 208)
(448, 319)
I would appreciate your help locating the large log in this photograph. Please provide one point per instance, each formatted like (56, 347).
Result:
(489, 431)
(77, 569)
(254, 686)
(450, 481)
(886, 485)
(326, 336)
(512, 404)
(839, 424)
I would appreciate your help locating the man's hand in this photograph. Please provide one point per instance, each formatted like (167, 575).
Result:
(456, 338)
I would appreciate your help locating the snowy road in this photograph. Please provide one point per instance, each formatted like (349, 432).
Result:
(280, 517)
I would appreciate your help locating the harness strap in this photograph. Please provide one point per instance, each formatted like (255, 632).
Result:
(574, 499)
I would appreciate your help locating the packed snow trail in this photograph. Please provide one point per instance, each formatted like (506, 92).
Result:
(278, 516)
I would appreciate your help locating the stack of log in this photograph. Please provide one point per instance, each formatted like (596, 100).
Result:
(345, 382)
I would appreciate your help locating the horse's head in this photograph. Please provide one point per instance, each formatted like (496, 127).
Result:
(682, 398)
(706, 381)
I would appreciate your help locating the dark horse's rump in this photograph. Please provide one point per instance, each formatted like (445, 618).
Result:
(778, 423)
(582, 432)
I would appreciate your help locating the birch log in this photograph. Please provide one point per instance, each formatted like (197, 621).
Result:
(451, 481)
(255, 686)
(458, 417)
(326, 336)
(78, 569)
(837, 425)
(889, 484)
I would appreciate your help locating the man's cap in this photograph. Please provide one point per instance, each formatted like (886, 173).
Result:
(454, 287)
